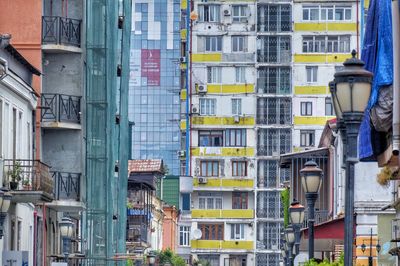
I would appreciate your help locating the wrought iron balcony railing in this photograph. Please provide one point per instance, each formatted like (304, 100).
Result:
(28, 175)
(66, 185)
(60, 108)
(320, 217)
(60, 30)
(137, 233)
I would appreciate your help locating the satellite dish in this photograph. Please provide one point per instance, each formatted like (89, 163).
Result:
(300, 259)
(197, 234)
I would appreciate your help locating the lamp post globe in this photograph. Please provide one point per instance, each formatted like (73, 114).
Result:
(296, 217)
(290, 238)
(350, 90)
(152, 258)
(66, 232)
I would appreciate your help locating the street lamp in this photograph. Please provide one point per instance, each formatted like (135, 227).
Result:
(5, 201)
(66, 232)
(311, 179)
(350, 91)
(296, 216)
(363, 248)
(152, 258)
(289, 237)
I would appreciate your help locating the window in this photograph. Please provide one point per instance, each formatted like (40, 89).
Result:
(240, 73)
(307, 138)
(19, 234)
(326, 13)
(185, 201)
(237, 231)
(306, 108)
(338, 44)
(328, 106)
(213, 43)
(236, 106)
(274, 49)
(214, 74)
(310, 13)
(209, 13)
(235, 137)
(312, 74)
(239, 44)
(239, 200)
(211, 138)
(209, 168)
(326, 44)
(275, 80)
(314, 44)
(207, 106)
(239, 13)
(184, 236)
(274, 18)
(239, 168)
(212, 231)
(210, 201)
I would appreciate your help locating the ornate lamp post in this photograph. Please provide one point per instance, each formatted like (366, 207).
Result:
(289, 237)
(350, 91)
(296, 216)
(5, 201)
(152, 258)
(66, 232)
(311, 179)
(363, 248)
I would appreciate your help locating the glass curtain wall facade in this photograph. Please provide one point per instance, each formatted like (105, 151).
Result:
(154, 86)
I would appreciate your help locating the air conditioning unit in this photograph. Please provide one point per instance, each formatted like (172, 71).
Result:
(202, 180)
(202, 89)
(182, 153)
(195, 109)
(227, 12)
(183, 59)
(236, 118)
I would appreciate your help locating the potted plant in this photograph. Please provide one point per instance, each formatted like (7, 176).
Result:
(386, 174)
(27, 184)
(15, 175)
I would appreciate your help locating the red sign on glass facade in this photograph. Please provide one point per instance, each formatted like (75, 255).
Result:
(151, 66)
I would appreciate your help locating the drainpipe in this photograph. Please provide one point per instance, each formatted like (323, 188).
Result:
(188, 107)
(396, 77)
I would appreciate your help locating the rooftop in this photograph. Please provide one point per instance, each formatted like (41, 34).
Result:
(145, 166)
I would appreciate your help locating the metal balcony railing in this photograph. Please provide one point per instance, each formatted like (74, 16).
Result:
(66, 185)
(61, 30)
(137, 233)
(60, 108)
(320, 217)
(29, 175)
(396, 230)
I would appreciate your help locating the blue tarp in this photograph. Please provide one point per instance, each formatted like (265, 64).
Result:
(377, 53)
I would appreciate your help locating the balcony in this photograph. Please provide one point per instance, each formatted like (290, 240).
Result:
(320, 217)
(224, 184)
(222, 214)
(60, 34)
(28, 180)
(222, 244)
(60, 111)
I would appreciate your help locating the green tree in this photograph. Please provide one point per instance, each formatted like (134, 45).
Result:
(168, 256)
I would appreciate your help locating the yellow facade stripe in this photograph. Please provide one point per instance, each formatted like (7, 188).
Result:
(320, 58)
(366, 4)
(311, 120)
(183, 94)
(215, 120)
(208, 57)
(222, 214)
(183, 124)
(221, 244)
(230, 88)
(325, 26)
(183, 34)
(224, 152)
(183, 4)
(304, 90)
(225, 182)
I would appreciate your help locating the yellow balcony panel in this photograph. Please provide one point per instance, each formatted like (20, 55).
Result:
(183, 34)
(311, 120)
(183, 94)
(320, 58)
(305, 90)
(206, 213)
(207, 57)
(183, 124)
(366, 4)
(238, 214)
(225, 183)
(205, 244)
(325, 26)
(230, 88)
(183, 4)
(223, 151)
(221, 121)
(237, 244)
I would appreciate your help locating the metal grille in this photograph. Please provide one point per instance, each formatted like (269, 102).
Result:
(272, 111)
(268, 235)
(267, 259)
(284, 175)
(268, 205)
(274, 141)
(267, 173)
(273, 49)
(275, 80)
(274, 18)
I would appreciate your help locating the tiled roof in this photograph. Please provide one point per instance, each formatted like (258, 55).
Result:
(143, 166)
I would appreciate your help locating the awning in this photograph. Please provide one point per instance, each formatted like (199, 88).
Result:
(326, 236)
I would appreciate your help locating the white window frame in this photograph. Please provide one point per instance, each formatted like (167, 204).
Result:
(306, 108)
(326, 13)
(241, 15)
(236, 106)
(211, 201)
(312, 74)
(214, 43)
(208, 106)
(239, 44)
(240, 74)
(326, 44)
(184, 236)
(213, 13)
(305, 138)
(237, 232)
(214, 75)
